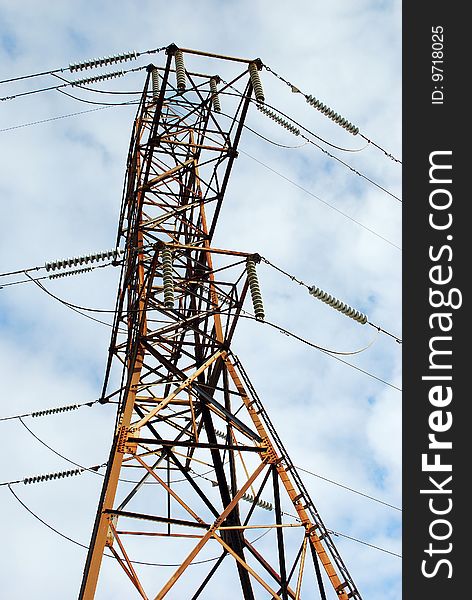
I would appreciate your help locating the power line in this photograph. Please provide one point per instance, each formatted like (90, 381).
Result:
(246, 315)
(242, 151)
(79, 309)
(330, 113)
(66, 537)
(73, 67)
(350, 489)
(336, 158)
(308, 343)
(279, 174)
(298, 133)
(128, 103)
(59, 87)
(310, 289)
(49, 412)
(37, 517)
(338, 533)
(95, 471)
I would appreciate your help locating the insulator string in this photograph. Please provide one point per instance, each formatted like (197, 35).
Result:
(97, 78)
(331, 114)
(256, 82)
(167, 277)
(254, 288)
(180, 71)
(114, 254)
(275, 117)
(215, 99)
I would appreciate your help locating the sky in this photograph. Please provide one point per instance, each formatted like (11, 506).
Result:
(60, 188)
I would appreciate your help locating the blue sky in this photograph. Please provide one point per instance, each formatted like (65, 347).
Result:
(60, 190)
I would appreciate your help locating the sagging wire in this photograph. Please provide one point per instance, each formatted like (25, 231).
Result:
(266, 505)
(93, 103)
(332, 354)
(287, 119)
(331, 114)
(333, 302)
(246, 315)
(329, 351)
(72, 462)
(75, 308)
(135, 562)
(63, 85)
(336, 158)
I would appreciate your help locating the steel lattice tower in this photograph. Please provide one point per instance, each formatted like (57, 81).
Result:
(211, 468)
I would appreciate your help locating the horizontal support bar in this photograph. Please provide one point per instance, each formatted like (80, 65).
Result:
(133, 515)
(213, 55)
(137, 440)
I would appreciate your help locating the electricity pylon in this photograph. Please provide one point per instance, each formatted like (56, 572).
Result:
(207, 467)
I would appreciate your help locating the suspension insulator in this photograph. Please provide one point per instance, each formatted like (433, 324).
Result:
(180, 70)
(167, 277)
(53, 411)
(80, 260)
(255, 289)
(262, 503)
(156, 84)
(67, 273)
(102, 77)
(256, 82)
(100, 62)
(49, 476)
(215, 100)
(338, 305)
(278, 119)
(332, 115)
